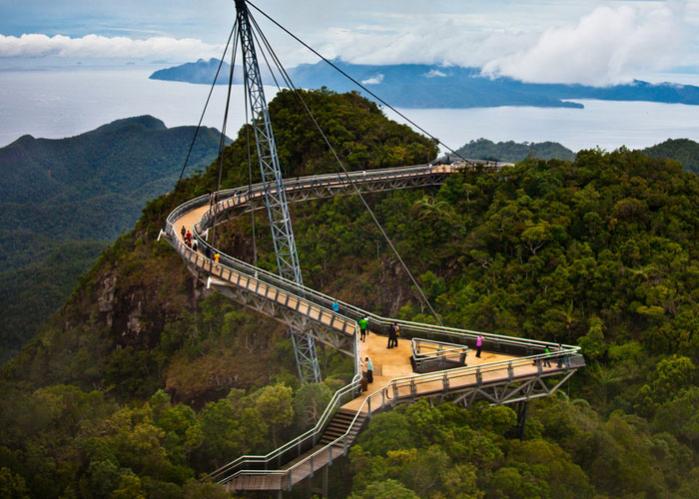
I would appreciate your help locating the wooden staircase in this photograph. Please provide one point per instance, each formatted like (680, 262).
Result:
(339, 425)
(304, 466)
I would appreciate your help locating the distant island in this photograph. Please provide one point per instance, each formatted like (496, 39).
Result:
(432, 86)
(684, 151)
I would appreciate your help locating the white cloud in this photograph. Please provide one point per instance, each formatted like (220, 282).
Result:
(95, 46)
(374, 80)
(608, 46)
(435, 73)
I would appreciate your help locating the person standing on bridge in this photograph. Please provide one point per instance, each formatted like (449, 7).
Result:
(217, 257)
(183, 231)
(393, 336)
(547, 356)
(363, 326)
(336, 307)
(369, 370)
(479, 345)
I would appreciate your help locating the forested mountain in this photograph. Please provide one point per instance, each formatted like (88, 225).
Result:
(683, 150)
(144, 379)
(62, 201)
(512, 152)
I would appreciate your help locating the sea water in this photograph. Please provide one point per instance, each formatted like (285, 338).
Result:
(61, 103)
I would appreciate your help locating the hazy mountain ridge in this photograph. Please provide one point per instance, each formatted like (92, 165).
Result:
(63, 200)
(433, 86)
(684, 151)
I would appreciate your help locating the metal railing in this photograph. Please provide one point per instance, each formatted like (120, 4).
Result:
(431, 355)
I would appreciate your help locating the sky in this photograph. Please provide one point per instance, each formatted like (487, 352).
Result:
(564, 41)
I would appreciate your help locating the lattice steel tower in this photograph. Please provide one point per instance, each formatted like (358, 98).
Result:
(275, 198)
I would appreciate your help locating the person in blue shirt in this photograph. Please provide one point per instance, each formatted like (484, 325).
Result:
(369, 370)
(336, 307)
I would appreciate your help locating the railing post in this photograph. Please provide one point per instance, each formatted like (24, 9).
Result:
(510, 371)
(445, 383)
(312, 467)
(539, 366)
(413, 388)
(479, 377)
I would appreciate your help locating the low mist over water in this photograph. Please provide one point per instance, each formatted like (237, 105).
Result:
(60, 103)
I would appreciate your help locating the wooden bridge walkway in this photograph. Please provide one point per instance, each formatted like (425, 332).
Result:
(509, 370)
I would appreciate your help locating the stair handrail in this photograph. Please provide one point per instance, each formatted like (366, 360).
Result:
(312, 433)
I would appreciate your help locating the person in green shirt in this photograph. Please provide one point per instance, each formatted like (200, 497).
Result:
(547, 359)
(363, 326)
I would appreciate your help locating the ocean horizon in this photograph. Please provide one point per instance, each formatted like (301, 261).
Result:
(66, 102)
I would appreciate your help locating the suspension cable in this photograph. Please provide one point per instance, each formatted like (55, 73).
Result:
(264, 57)
(213, 205)
(208, 98)
(375, 219)
(353, 80)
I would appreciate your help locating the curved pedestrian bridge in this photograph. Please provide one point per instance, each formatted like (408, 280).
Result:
(509, 370)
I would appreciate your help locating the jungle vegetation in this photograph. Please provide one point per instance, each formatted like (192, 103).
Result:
(144, 381)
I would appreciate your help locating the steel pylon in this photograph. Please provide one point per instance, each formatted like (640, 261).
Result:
(274, 196)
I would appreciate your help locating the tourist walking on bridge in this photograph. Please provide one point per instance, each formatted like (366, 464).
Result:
(363, 326)
(547, 356)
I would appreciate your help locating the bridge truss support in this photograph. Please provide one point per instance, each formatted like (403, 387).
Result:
(294, 321)
(511, 391)
(275, 196)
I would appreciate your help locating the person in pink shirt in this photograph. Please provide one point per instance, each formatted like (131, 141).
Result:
(479, 345)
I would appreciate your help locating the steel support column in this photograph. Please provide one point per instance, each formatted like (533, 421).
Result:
(275, 196)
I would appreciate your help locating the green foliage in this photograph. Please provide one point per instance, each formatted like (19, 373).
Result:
(684, 151)
(387, 489)
(514, 152)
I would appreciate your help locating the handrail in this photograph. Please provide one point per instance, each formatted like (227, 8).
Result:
(438, 352)
(270, 456)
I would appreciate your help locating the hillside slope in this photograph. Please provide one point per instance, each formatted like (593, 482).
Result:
(62, 201)
(683, 150)
(139, 323)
